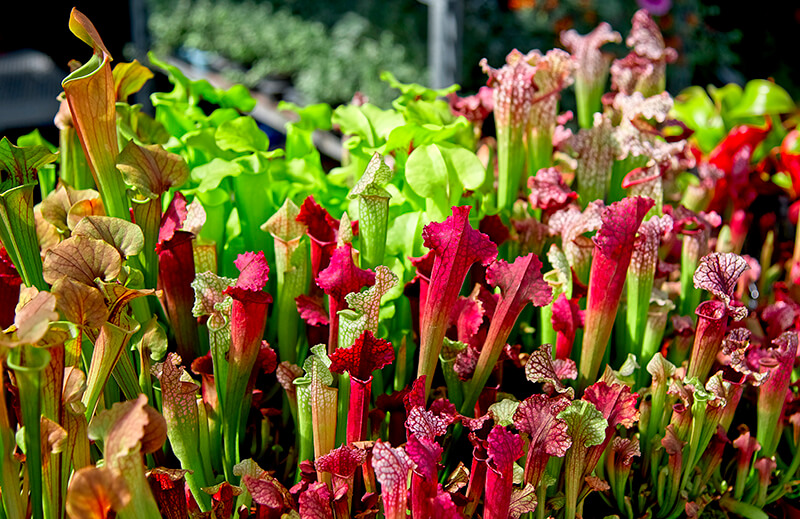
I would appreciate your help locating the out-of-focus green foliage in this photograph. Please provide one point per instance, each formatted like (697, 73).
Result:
(262, 42)
(329, 50)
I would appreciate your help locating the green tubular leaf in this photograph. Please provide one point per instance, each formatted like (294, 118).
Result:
(17, 228)
(560, 281)
(28, 362)
(354, 121)
(447, 359)
(125, 376)
(654, 331)
(18, 234)
(300, 134)
(373, 212)
(424, 132)
(74, 169)
(465, 164)
(742, 509)
(147, 214)
(510, 161)
(253, 202)
(304, 419)
(295, 284)
(108, 348)
(587, 427)
(181, 414)
(317, 366)
(323, 413)
(210, 300)
(314, 392)
(427, 174)
(136, 126)
(12, 503)
(404, 236)
(211, 174)
(414, 91)
(441, 172)
(696, 110)
(291, 266)
(22, 162)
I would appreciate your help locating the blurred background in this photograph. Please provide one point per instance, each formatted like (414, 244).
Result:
(311, 51)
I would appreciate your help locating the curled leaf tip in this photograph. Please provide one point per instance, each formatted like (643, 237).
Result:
(504, 447)
(374, 178)
(621, 221)
(718, 273)
(522, 279)
(369, 353)
(253, 269)
(84, 29)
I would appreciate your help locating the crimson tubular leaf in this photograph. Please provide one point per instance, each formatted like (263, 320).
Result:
(519, 282)
(456, 246)
(549, 192)
(612, 255)
(392, 467)
(504, 448)
(426, 454)
(366, 355)
(315, 502)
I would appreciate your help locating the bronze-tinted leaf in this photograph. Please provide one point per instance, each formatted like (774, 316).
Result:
(34, 313)
(53, 437)
(94, 491)
(125, 236)
(129, 78)
(84, 208)
(74, 385)
(117, 296)
(83, 28)
(151, 169)
(58, 203)
(128, 427)
(81, 304)
(46, 232)
(82, 259)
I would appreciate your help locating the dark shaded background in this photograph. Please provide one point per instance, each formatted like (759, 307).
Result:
(769, 43)
(39, 25)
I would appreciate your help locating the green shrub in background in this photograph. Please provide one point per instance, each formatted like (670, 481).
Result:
(329, 50)
(326, 64)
